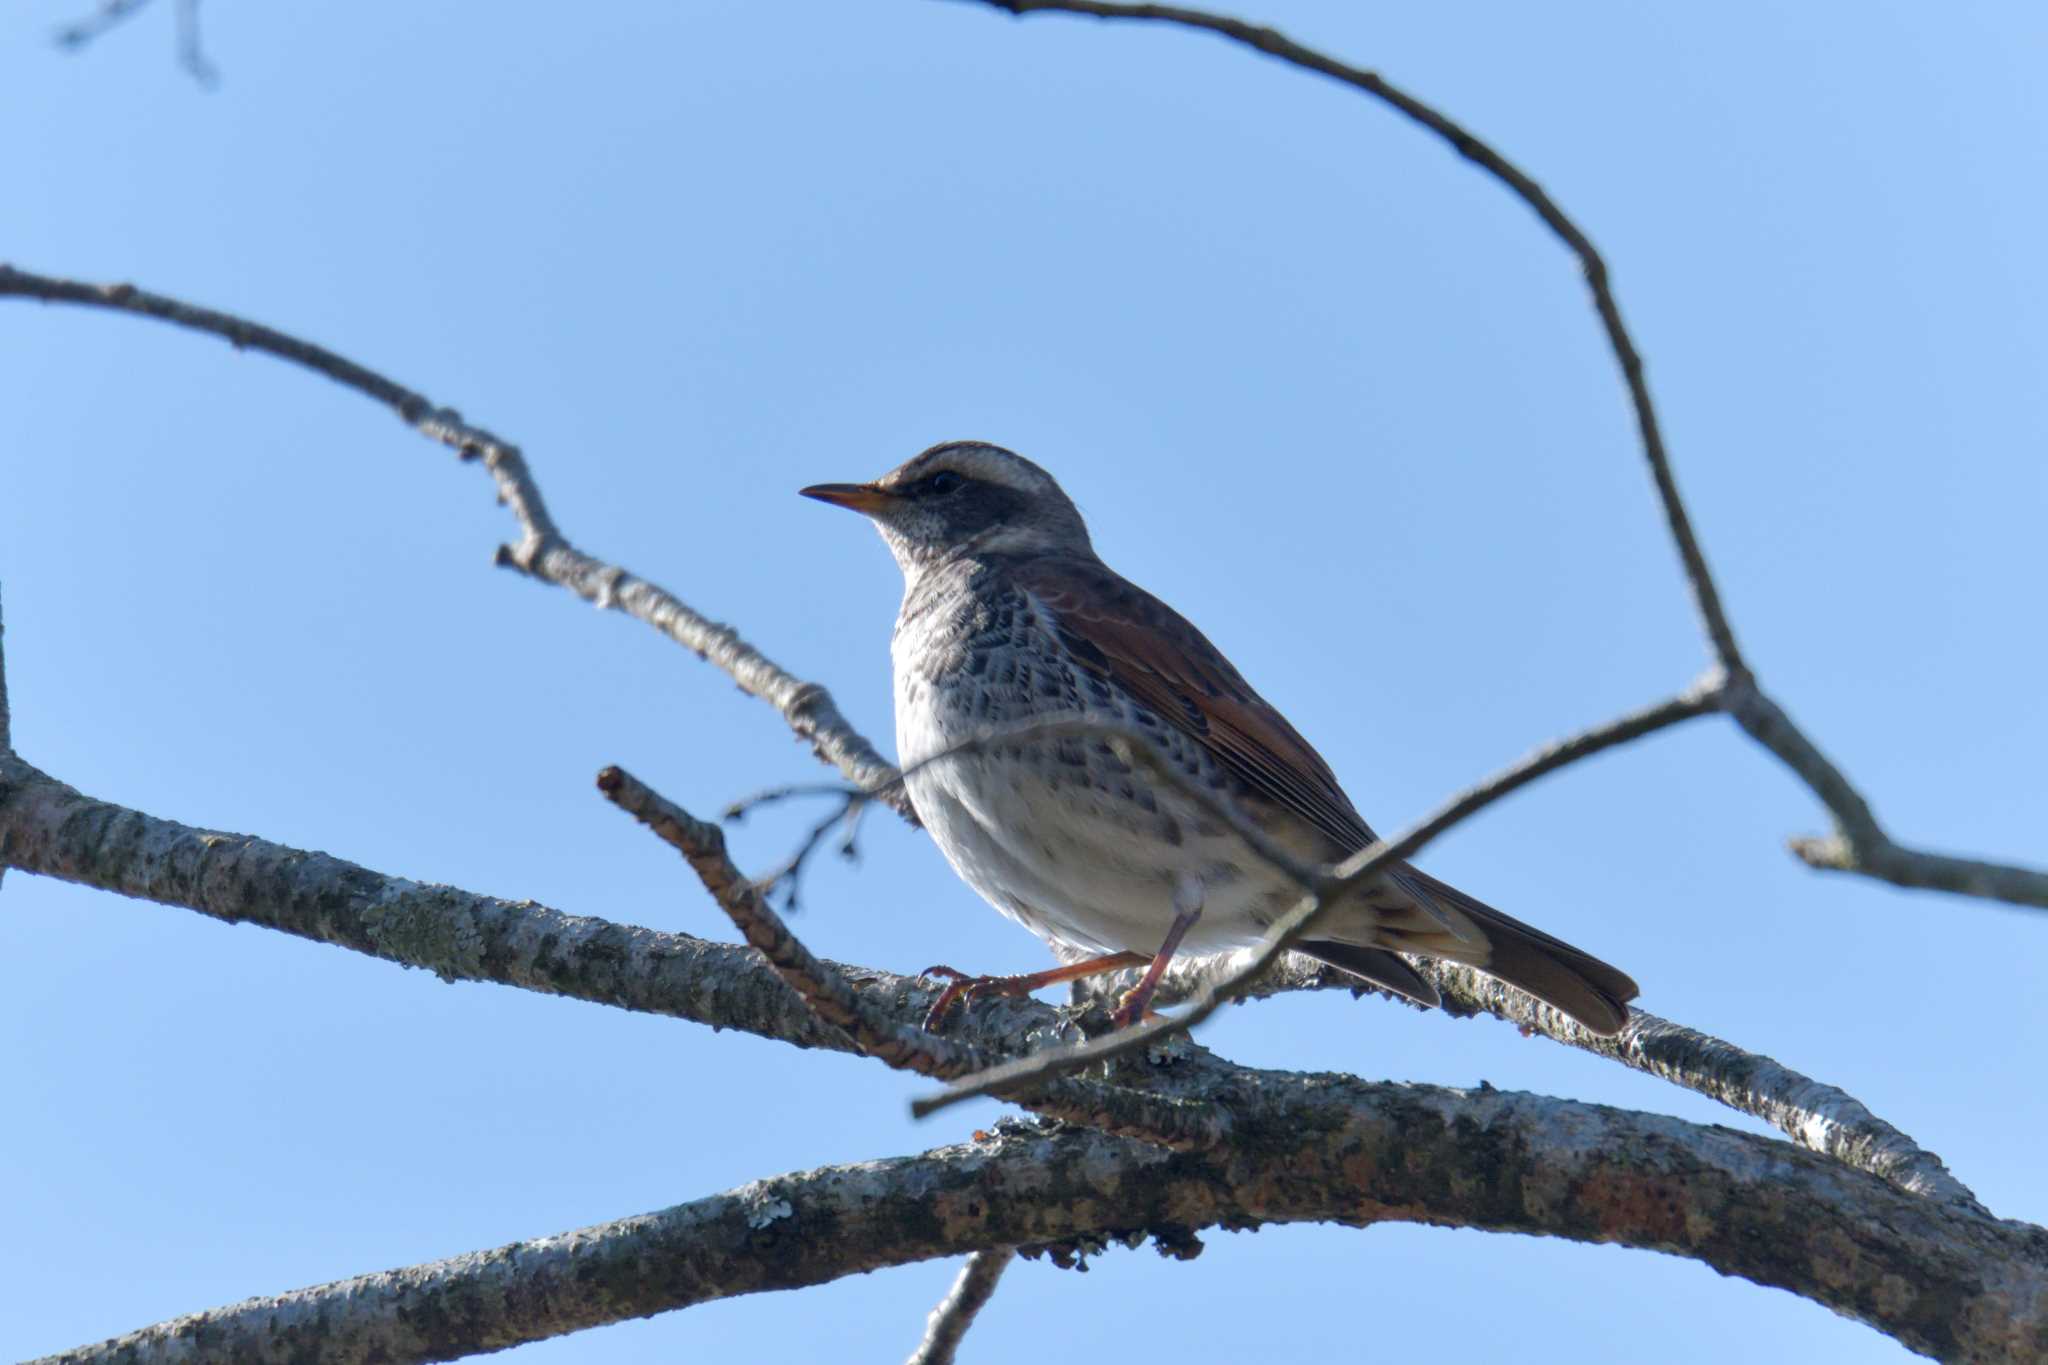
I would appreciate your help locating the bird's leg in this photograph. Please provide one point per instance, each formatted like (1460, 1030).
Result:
(1187, 908)
(965, 988)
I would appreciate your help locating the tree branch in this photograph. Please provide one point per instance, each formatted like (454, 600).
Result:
(956, 1312)
(542, 551)
(1819, 1117)
(48, 828)
(1322, 1149)
(1859, 843)
(899, 1045)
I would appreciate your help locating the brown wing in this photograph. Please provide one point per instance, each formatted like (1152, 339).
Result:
(1124, 635)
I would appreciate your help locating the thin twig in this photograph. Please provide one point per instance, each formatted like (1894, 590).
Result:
(1860, 843)
(1172, 1123)
(1360, 867)
(191, 51)
(786, 791)
(971, 1291)
(788, 876)
(110, 14)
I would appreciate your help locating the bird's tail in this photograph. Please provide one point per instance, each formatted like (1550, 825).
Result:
(1473, 932)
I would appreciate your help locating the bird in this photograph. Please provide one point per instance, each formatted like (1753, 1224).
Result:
(1019, 658)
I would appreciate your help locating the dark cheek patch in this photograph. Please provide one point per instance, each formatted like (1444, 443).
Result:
(979, 506)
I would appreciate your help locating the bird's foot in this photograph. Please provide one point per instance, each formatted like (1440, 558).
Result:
(1132, 1007)
(964, 988)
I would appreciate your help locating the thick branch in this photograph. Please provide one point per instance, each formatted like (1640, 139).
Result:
(48, 828)
(51, 829)
(955, 1313)
(1818, 1116)
(1324, 1149)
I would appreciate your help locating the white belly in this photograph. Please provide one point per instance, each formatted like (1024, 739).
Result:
(1060, 836)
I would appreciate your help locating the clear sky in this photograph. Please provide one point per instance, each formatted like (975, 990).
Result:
(1311, 377)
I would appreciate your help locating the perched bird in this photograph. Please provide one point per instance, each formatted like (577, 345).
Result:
(1008, 619)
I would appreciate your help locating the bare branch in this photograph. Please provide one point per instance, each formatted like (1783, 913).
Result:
(901, 1046)
(956, 1312)
(542, 552)
(1819, 1117)
(1860, 843)
(49, 828)
(191, 52)
(1935, 1278)
(1360, 867)
(79, 34)
(110, 14)
(788, 876)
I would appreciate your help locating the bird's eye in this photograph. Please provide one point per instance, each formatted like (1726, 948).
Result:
(945, 481)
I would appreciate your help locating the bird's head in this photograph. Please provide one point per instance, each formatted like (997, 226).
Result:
(964, 498)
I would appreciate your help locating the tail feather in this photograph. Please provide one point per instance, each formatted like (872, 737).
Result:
(1382, 968)
(1550, 969)
(1522, 955)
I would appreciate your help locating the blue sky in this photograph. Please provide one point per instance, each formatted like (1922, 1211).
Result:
(1311, 377)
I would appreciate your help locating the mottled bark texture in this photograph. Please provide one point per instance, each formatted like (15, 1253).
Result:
(1939, 1277)
(49, 828)
(1309, 1149)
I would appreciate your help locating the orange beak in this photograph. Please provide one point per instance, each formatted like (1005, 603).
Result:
(861, 497)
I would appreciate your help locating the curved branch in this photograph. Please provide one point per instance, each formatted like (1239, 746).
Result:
(1859, 843)
(1819, 1117)
(1338, 1150)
